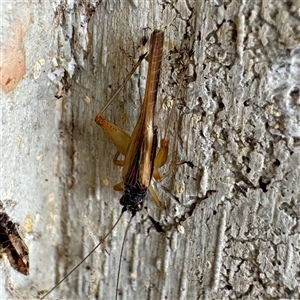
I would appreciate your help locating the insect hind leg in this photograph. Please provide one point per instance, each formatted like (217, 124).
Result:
(158, 178)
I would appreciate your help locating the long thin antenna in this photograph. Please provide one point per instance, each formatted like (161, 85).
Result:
(144, 54)
(101, 242)
(122, 85)
(120, 261)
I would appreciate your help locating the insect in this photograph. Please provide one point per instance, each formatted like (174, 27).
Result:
(13, 245)
(141, 162)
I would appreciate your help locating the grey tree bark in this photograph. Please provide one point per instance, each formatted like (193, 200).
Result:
(237, 120)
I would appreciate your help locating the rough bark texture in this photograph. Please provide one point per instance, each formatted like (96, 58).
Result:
(237, 120)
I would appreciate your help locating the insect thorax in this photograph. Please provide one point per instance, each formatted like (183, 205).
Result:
(133, 198)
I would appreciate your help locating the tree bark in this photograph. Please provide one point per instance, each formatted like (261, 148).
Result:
(236, 120)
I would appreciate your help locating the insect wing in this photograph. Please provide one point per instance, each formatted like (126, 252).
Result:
(139, 158)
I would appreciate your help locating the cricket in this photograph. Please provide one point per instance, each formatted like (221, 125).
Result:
(141, 161)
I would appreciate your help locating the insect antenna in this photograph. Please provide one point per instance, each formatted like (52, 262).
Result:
(121, 254)
(102, 239)
(144, 54)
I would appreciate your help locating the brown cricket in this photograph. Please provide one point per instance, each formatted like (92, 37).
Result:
(141, 161)
(140, 149)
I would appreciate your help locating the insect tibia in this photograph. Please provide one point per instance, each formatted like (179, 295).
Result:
(157, 225)
(142, 57)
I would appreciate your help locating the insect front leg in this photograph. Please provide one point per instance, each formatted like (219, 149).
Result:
(157, 202)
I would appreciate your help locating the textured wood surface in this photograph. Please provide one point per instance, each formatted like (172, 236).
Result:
(237, 120)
